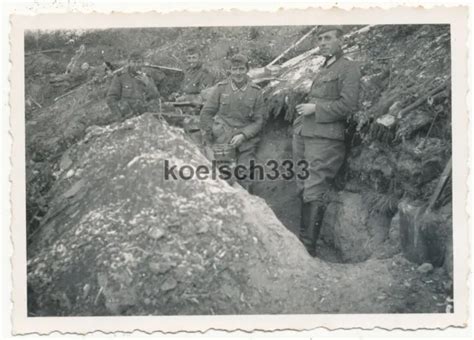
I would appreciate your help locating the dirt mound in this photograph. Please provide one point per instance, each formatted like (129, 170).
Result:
(39, 63)
(120, 239)
(50, 131)
(60, 125)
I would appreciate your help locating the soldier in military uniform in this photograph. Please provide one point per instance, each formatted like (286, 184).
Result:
(319, 130)
(195, 89)
(196, 78)
(234, 115)
(132, 92)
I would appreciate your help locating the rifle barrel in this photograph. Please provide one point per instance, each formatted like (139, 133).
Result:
(163, 68)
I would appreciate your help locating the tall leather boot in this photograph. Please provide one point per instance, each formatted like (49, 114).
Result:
(305, 231)
(303, 219)
(315, 220)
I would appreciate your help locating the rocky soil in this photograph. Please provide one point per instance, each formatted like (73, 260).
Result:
(107, 235)
(119, 239)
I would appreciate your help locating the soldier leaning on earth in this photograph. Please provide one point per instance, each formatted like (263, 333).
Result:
(132, 92)
(318, 131)
(234, 115)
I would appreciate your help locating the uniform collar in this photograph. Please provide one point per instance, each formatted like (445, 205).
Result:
(236, 88)
(130, 72)
(332, 59)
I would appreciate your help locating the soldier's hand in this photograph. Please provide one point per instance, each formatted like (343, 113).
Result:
(237, 139)
(305, 109)
(143, 78)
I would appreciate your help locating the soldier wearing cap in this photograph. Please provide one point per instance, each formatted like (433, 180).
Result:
(131, 91)
(196, 78)
(234, 115)
(318, 135)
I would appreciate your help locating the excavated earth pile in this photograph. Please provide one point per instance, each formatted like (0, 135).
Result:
(50, 132)
(120, 239)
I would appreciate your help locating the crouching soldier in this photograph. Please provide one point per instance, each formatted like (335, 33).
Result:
(132, 92)
(318, 131)
(234, 115)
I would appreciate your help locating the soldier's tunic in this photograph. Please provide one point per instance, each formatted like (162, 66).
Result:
(196, 79)
(231, 110)
(319, 138)
(196, 86)
(158, 77)
(129, 96)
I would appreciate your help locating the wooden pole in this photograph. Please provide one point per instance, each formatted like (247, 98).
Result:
(293, 46)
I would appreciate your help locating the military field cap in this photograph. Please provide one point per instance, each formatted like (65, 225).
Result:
(239, 59)
(135, 55)
(328, 28)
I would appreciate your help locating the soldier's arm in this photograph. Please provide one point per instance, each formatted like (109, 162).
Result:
(114, 94)
(328, 111)
(206, 86)
(209, 111)
(207, 80)
(182, 87)
(158, 78)
(255, 127)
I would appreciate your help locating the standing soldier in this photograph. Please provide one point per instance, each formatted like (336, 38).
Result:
(234, 115)
(132, 92)
(319, 130)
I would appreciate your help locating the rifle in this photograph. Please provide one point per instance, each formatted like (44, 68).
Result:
(163, 68)
(120, 69)
(184, 104)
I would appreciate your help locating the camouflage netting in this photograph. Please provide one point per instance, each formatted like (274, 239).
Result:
(120, 239)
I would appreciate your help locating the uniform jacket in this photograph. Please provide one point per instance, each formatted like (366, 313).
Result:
(197, 79)
(230, 111)
(335, 91)
(125, 87)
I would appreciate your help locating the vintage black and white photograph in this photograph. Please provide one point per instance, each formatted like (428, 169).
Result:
(239, 170)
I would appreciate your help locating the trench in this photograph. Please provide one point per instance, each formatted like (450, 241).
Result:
(281, 195)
